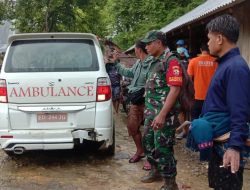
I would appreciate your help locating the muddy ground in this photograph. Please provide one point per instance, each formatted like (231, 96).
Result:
(84, 169)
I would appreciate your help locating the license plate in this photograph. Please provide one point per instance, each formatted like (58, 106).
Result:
(52, 117)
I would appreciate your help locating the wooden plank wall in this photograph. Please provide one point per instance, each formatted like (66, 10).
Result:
(242, 13)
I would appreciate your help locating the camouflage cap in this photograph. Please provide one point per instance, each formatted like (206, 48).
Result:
(152, 36)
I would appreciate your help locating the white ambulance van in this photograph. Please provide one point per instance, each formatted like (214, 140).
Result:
(54, 93)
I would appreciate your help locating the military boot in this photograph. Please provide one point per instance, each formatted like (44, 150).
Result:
(170, 184)
(152, 176)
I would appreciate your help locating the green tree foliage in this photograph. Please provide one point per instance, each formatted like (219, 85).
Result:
(5, 9)
(94, 15)
(124, 20)
(59, 16)
(43, 15)
(2, 7)
(133, 18)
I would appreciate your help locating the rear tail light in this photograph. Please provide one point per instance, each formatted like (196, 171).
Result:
(103, 91)
(6, 137)
(3, 91)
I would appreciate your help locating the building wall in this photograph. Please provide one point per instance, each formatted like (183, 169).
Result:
(242, 14)
(197, 33)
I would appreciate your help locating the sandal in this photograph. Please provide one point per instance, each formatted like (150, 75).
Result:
(136, 158)
(146, 166)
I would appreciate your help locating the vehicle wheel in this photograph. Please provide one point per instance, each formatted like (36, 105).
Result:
(111, 149)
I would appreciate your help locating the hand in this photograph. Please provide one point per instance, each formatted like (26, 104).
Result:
(158, 122)
(115, 56)
(232, 158)
(106, 61)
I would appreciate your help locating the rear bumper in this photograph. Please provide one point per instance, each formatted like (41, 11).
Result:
(52, 139)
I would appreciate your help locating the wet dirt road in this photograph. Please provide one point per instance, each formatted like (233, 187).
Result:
(84, 169)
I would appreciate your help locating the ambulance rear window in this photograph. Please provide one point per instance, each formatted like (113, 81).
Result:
(52, 55)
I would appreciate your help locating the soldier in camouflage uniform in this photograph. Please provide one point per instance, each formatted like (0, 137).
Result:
(163, 84)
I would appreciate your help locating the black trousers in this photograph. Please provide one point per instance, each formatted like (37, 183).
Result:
(222, 178)
(197, 108)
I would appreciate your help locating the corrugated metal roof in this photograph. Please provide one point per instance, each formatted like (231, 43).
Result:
(207, 8)
(202, 11)
(130, 49)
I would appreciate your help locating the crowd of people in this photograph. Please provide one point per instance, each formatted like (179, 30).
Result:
(211, 89)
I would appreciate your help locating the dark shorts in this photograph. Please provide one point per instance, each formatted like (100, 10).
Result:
(116, 91)
(135, 118)
(222, 178)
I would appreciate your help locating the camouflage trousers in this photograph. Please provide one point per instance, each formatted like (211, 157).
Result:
(158, 147)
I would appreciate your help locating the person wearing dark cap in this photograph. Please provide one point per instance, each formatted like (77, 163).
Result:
(163, 86)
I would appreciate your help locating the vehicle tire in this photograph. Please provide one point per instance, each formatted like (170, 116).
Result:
(111, 149)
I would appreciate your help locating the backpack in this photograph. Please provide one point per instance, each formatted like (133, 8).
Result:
(182, 58)
(186, 96)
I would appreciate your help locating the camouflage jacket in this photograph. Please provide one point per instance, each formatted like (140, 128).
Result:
(158, 81)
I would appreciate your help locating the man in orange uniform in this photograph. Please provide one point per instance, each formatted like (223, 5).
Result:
(201, 69)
